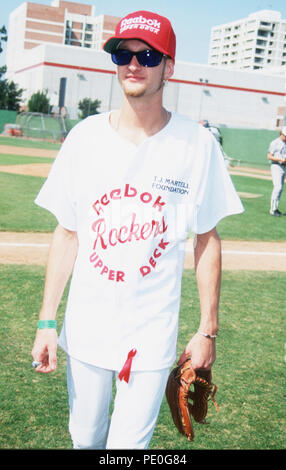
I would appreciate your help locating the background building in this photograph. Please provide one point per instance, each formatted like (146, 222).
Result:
(31, 25)
(255, 42)
(224, 97)
(58, 48)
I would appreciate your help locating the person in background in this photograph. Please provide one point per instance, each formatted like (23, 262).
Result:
(277, 156)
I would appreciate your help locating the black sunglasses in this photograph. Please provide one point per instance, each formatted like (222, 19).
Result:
(146, 58)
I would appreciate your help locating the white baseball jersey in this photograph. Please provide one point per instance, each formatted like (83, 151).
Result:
(133, 207)
(278, 148)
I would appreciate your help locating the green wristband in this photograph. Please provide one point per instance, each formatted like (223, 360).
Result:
(47, 324)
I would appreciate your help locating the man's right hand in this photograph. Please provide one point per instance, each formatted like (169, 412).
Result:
(45, 350)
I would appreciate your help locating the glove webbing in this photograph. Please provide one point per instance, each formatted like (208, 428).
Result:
(208, 391)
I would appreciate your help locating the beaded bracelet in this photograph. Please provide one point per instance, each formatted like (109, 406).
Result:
(47, 324)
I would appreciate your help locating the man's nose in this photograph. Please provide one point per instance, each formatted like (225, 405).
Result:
(134, 62)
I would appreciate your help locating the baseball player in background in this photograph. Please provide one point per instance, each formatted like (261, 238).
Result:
(277, 157)
(127, 187)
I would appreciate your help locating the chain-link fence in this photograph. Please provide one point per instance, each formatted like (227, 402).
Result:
(44, 126)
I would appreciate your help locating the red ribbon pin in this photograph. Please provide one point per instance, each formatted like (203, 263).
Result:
(125, 371)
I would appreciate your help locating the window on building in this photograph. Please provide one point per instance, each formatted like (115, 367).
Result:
(262, 33)
(75, 35)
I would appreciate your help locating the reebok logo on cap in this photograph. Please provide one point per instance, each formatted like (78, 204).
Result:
(140, 22)
(153, 29)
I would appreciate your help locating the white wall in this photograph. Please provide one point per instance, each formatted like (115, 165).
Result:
(233, 98)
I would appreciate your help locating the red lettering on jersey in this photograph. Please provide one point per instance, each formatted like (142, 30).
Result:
(156, 254)
(125, 234)
(130, 192)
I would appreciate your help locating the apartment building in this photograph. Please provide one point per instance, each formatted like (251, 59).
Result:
(61, 22)
(58, 48)
(253, 43)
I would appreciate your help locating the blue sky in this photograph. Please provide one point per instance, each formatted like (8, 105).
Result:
(192, 19)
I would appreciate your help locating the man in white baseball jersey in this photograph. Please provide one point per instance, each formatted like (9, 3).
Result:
(277, 157)
(127, 188)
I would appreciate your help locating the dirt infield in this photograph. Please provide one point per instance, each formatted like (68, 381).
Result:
(27, 151)
(42, 169)
(252, 172)
(32, 248)
(30, 169)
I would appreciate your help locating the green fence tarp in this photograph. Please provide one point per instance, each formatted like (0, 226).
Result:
(7, 117)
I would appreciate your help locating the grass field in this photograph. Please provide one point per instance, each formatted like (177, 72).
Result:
(249, 371)
(6, 159)
(255, 223)
(30, 143)
(17, 209)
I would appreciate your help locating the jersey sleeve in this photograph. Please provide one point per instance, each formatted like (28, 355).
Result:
(216, 194)
(272, 147)
(57, 195)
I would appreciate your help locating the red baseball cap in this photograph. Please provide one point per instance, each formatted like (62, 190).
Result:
(146, 26)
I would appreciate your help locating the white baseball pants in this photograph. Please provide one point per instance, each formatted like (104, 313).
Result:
(278, 176)
(135, 411)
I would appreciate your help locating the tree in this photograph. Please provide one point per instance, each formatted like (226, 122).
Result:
(88, 107)
(10, 95)
(14, 96)
(3, 37)
(39, 102)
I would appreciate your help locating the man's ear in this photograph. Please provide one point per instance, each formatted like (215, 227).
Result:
(169, 69)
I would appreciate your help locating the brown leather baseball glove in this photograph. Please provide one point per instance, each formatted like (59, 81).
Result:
(185, 403)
